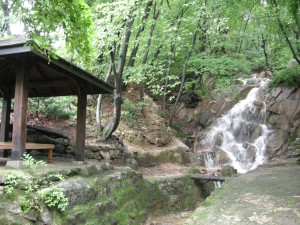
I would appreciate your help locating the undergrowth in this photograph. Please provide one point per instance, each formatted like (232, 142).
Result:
(289, 77)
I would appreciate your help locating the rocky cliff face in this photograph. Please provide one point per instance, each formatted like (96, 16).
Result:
(283, 115)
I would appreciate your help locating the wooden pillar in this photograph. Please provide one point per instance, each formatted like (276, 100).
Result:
(20, 108)
(80, 129)
(5, 118)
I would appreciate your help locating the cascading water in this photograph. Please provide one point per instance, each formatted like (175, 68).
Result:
(239, 137)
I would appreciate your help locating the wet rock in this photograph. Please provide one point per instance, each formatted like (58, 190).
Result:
(264, 74)
(276, 142)
(245, 91)
(222, 157)
(258, 103)
(228, 171)
(250, 153)
(255, 132)
(206, 118)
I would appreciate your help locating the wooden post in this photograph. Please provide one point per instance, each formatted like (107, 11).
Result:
(20, 108)
(80, 128)
(5, 118)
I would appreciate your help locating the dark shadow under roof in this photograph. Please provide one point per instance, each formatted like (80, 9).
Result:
(47, 78)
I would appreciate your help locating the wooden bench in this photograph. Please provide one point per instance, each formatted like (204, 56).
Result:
(31, 146)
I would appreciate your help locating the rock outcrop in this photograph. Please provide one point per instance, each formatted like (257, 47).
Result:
(148, 130)
(283, 115)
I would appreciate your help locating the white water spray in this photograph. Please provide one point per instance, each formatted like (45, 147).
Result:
(241, 134)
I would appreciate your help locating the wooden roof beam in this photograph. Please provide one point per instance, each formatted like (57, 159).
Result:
(52, 83)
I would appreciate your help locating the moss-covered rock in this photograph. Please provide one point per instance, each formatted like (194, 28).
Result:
(175, 194)
(119, 196)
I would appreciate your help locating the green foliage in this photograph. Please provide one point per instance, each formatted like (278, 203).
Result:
(224, 84)
(131, 112)
(53, 196)
(222, 66)
(70, 19)
(196, 84)
(58, 107)
(228, 46)
(290, 77)
(30, 162)
(34, 188)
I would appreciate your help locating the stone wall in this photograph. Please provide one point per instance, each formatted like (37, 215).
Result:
(64, 147)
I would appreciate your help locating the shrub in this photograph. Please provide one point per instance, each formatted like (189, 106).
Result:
(34, 187)
(290, 77)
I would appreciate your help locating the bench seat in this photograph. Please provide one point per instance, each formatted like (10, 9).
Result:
(31, 146)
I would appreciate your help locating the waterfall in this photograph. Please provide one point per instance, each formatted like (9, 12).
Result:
(239, 137)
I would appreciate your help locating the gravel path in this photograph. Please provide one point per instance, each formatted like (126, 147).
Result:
(268, 195)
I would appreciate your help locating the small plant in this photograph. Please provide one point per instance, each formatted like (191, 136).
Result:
(30, 162)
(38, 188)
(53, 196)
(131, 112)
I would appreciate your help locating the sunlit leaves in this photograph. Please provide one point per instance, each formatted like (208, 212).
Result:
(60, 20)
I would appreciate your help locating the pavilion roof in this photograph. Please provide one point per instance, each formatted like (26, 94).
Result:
(47, 76)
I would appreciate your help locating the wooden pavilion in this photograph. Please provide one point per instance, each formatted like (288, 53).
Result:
(25, 73)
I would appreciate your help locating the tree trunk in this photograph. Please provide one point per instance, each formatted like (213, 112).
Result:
(264, 47)
(149, 41)
(274, 3)
(184, 74)
(111, 127)
(138, 34)
(242, 39)
(99, 102)
(168, 73)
